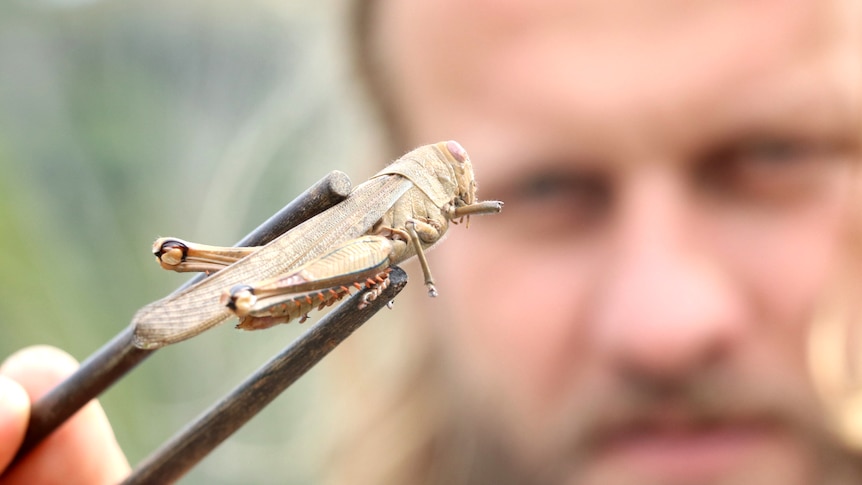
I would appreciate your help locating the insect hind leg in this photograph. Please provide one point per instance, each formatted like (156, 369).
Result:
(258, 315)
(182, 256)
(375, 286)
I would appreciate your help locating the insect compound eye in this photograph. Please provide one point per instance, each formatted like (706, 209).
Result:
(457, 151)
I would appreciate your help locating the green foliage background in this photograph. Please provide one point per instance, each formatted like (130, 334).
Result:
(125, 120)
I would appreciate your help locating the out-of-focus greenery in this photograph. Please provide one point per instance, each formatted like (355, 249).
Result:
(125, 120)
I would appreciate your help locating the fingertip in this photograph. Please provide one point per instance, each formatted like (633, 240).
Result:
(38, 368)
(82, 450)
(13, 397)
(14, 414)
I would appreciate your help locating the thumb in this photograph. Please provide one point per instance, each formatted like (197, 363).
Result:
(82, 450)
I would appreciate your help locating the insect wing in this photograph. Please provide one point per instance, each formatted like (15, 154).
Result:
(352, 261)
(190, 312)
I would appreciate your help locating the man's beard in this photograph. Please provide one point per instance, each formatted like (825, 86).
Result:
(482, 445)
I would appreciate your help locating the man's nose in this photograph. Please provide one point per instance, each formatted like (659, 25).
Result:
(666, 304)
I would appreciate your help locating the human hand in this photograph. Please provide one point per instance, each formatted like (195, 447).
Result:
(83, 450)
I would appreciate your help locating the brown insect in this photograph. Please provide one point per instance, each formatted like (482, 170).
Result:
(397, 214)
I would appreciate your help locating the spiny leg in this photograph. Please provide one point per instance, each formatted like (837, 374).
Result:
(375, 287)
(258, 314)
(316, 284)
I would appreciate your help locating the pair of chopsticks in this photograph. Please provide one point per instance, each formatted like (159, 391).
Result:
(179, 454)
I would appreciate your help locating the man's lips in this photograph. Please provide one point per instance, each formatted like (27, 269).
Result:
(679, 451)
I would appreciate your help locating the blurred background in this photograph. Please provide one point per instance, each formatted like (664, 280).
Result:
(124, 120)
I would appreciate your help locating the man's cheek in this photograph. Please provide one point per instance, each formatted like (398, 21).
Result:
(513, 322)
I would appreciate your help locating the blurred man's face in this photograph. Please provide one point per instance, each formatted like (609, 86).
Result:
(676, 178)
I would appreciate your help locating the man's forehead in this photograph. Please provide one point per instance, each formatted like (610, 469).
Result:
(611, 57)
(437, 24)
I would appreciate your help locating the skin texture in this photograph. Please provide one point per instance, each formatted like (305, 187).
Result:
(82, 451)
(678, 181)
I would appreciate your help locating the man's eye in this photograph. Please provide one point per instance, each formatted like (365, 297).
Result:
(765, 169)
(775, 154)
(556, 202)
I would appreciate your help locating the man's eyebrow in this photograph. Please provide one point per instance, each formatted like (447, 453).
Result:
(827, 107)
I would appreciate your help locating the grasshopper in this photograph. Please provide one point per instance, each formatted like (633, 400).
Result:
(399, 213)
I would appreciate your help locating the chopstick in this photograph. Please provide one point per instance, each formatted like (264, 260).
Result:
(120, 355)
(189, 446)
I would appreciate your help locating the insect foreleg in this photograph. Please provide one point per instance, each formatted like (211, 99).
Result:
(455, 214)
(182, 256)
(419, 231)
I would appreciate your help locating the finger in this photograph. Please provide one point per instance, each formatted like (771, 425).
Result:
(82, 450)
(14, 413)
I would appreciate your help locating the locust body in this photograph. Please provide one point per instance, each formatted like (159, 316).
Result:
(399, 213)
